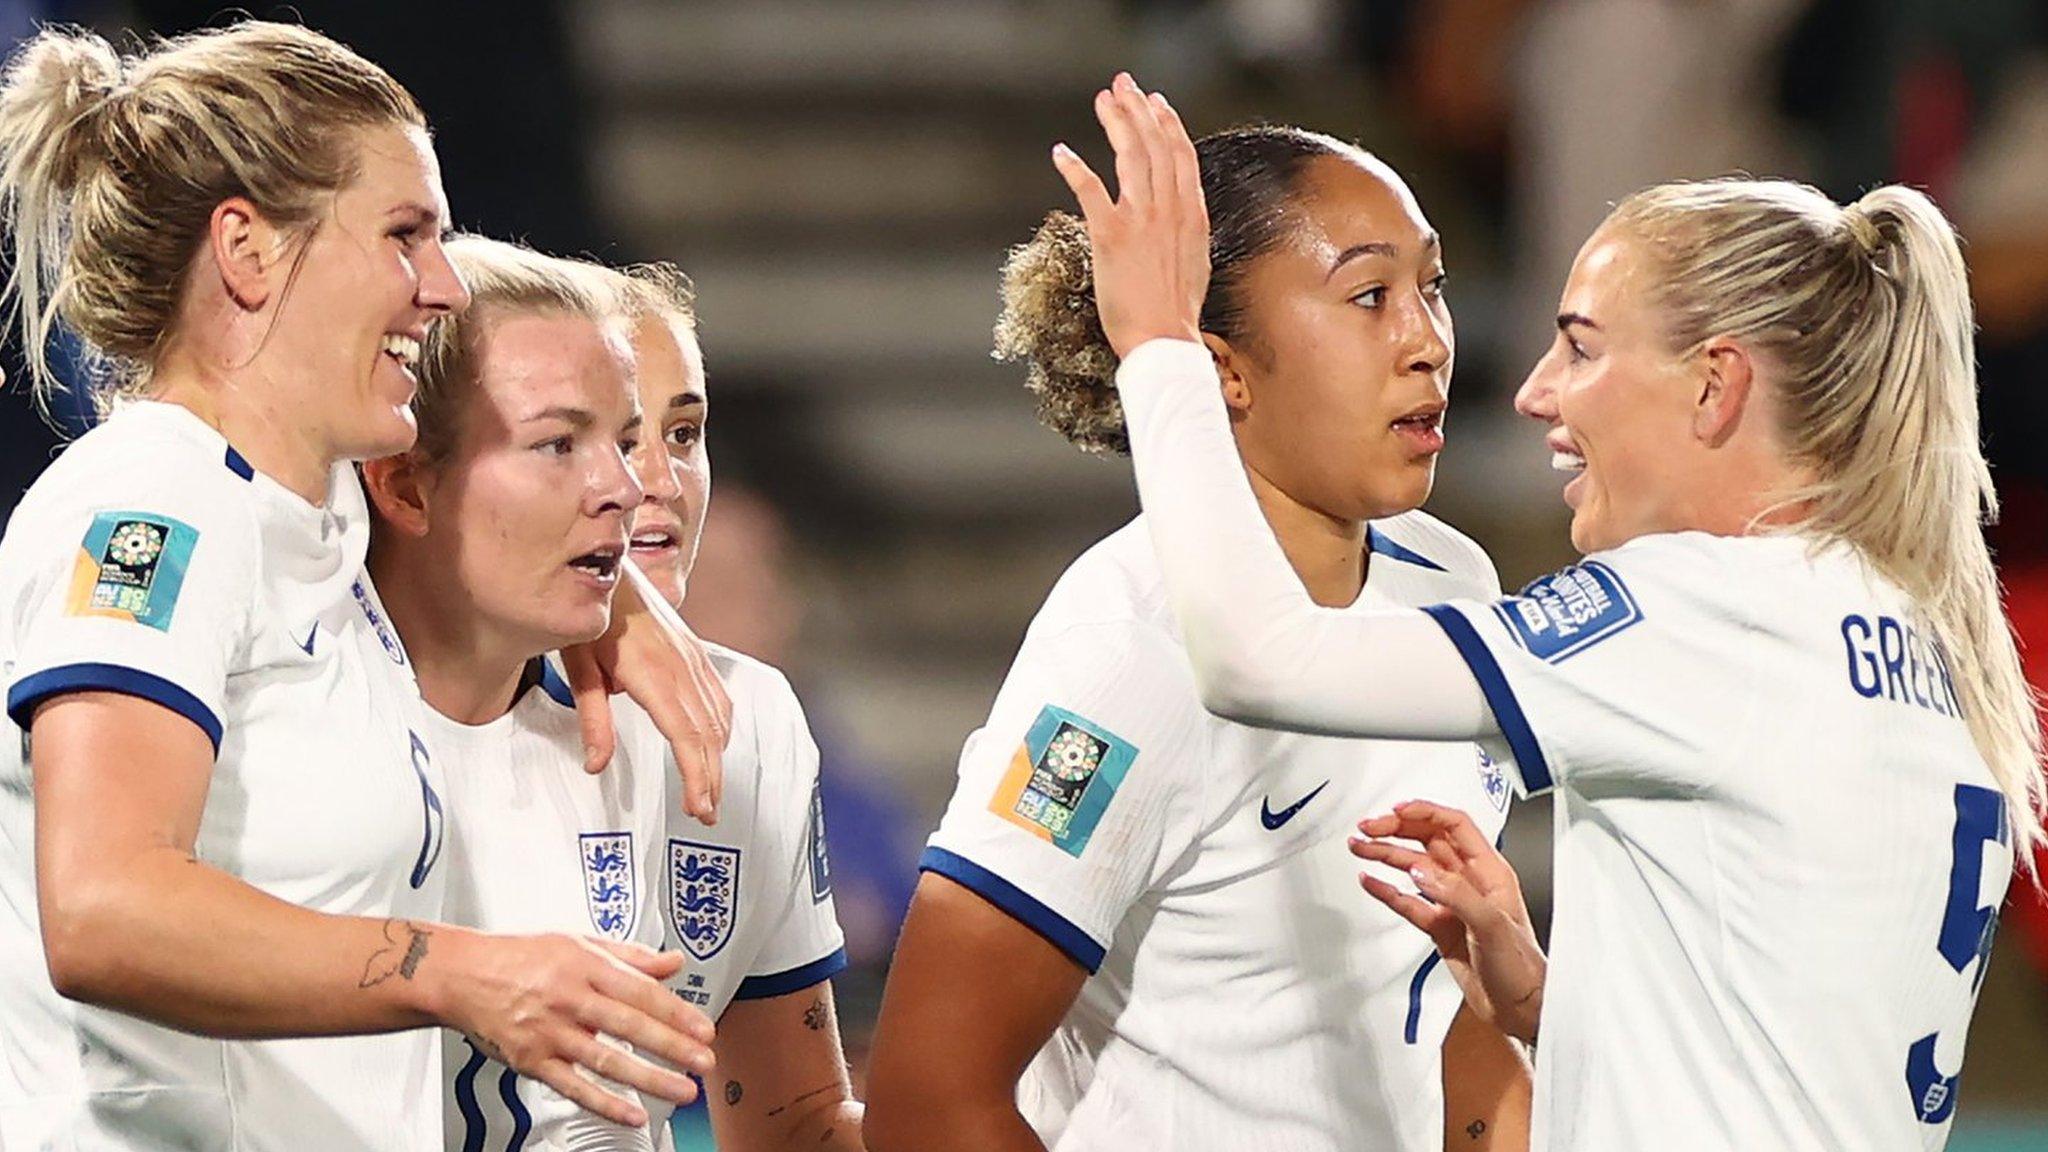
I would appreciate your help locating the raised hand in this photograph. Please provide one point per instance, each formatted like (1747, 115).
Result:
(1470, 904)
(652, 656)
(1150, 246)
(562, 1009)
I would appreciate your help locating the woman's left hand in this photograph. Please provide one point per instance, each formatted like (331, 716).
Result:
(652, 656)
(1469, 901)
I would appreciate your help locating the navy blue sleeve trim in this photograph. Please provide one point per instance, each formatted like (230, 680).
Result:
(1380, 544)
(1057, 929)
(794, 980)
(1507, 711)
(32, 690)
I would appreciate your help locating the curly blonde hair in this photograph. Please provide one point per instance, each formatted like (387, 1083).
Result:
(1251, 178)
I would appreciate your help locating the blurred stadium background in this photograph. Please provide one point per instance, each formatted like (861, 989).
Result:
(842, 177)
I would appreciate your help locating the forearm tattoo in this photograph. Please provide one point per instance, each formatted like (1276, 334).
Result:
(405, 945)
(733, 1092)
(802, 1098)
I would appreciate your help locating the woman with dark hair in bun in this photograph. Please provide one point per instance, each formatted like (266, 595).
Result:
(1153, 908)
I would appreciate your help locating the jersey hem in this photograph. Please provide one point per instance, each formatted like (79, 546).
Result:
(793, 980)
(1058, 931)
(1493, 684)
(33, 689)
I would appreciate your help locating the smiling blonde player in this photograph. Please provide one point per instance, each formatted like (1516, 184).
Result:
(1785, 646)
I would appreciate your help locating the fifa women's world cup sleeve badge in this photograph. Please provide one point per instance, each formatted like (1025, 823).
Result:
(131, 566)
(1062, 778)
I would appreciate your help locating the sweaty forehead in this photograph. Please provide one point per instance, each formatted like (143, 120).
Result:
(1352, 199)
(396, 163)
(1607, 276)
(528, 360)
(669, 360)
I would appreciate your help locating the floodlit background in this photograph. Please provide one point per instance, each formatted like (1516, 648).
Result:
(842, 177)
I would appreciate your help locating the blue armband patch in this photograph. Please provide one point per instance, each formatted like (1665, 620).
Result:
(1563, 614)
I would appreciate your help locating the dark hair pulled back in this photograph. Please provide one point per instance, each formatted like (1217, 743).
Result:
(1251, 179)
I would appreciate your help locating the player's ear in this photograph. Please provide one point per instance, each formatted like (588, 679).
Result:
(1237, 393)
(245, 248)
(398, 487)
(1725, 390)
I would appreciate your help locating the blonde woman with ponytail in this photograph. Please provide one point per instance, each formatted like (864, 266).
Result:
(1778, 700)
(219, 824)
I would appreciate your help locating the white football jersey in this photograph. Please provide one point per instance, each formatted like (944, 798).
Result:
(1779, 854)
(749, 899)
(545, 847)
(1244, 993)
(151, 560)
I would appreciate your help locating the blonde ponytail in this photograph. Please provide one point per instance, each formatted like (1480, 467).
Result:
(1867, 310)
(50, 98)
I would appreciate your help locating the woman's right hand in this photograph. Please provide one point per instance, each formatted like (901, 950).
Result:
(1150, 246)
(548, 1007)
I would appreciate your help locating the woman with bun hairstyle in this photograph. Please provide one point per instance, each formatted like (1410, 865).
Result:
(1138, 926)
(219, 826)
(1778, 701)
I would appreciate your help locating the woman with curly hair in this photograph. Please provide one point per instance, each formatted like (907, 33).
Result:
(1153, 908)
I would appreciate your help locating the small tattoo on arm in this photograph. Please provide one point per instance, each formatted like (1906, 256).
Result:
(1476, 1129)
(733, 1092)
(405, 945)
(817, 1016)
(802, 1098)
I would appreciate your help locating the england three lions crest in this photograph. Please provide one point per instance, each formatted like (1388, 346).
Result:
(703, 895)
(609, 886)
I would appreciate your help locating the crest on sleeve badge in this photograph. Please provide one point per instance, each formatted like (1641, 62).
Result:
(131, 566)
(703, 895)
(609, 886)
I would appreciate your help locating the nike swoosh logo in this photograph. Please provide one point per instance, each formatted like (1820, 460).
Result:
(1273, 820)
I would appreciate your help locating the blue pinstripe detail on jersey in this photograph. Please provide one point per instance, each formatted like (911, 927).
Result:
(1507, 711)
(522, 1120)
(474, 1127)
(32, 690)
(1381, 544)
(1414, 1026)
(1057, 929)
(239, 465)
(793, 980)
(551, 682)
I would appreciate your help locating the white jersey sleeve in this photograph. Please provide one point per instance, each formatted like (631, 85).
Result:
(805, 945)
(1263, 652)
(1590, 671)
(145, 585)
(1085, 782)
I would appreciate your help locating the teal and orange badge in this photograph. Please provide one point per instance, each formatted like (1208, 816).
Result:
(1061, 778)
(131, 566)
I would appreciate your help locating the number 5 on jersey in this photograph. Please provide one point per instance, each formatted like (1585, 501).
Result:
(1967, 928)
